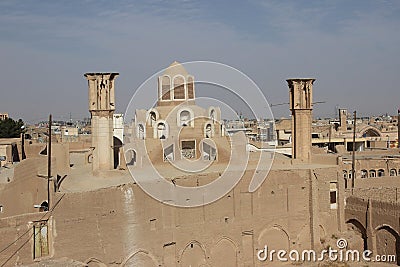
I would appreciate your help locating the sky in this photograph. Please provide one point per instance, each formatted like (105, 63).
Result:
(351, 48)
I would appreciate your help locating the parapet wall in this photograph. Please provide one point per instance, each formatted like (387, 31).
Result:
(123, 225)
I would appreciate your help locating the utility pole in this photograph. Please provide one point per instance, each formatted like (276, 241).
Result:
(330, 138)
(23, 156)
(49, 163)
(398, 128)
(353, 163)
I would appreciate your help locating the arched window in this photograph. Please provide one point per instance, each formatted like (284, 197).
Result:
(190, 87)
(212, 115)
(162, 132)
(130, 157)
(179, 87)
(393, 172)
(208, 133)
(372, 173)
(165, 88)
(141, 134)
(381, 172)
(364, 173)
(184, 118)
(344, 174)
(152, 118)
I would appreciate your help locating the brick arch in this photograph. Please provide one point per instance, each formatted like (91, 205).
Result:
(224, 252)
(140, 255)
(389, 228)
(276, 236)
(195, 253)
(382, 232)
(95, 262)
(370, 131)
(362, 230)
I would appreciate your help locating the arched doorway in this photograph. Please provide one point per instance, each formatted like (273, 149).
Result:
(117, 144)
(359, 243)
(388, 242)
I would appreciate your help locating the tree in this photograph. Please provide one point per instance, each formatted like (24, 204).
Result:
(10, 128)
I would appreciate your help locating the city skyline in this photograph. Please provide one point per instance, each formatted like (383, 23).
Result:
(350, 48)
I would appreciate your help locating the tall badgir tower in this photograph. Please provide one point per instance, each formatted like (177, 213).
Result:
(300, 94)
(101, 108)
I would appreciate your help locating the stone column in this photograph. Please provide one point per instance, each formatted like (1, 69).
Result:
(300, 94)
(101, 108)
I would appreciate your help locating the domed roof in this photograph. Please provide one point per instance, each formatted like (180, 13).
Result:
(174, 69)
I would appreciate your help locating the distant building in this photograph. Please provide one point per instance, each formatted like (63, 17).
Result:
(3, 116)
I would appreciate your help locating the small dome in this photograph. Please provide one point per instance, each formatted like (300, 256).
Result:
(174, 69)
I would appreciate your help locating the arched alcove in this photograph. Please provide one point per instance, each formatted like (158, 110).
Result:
(140, 258)
(162, 130)
(152, 116)
(193, 255)
(208, 130)
(117, 144)
(141, 131)
(224, 253)
(275, 238)
(359, 241)
(388, 241)
(185, 117)
(130, 157)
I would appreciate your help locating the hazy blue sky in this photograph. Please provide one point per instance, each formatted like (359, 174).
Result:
(350, 47)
